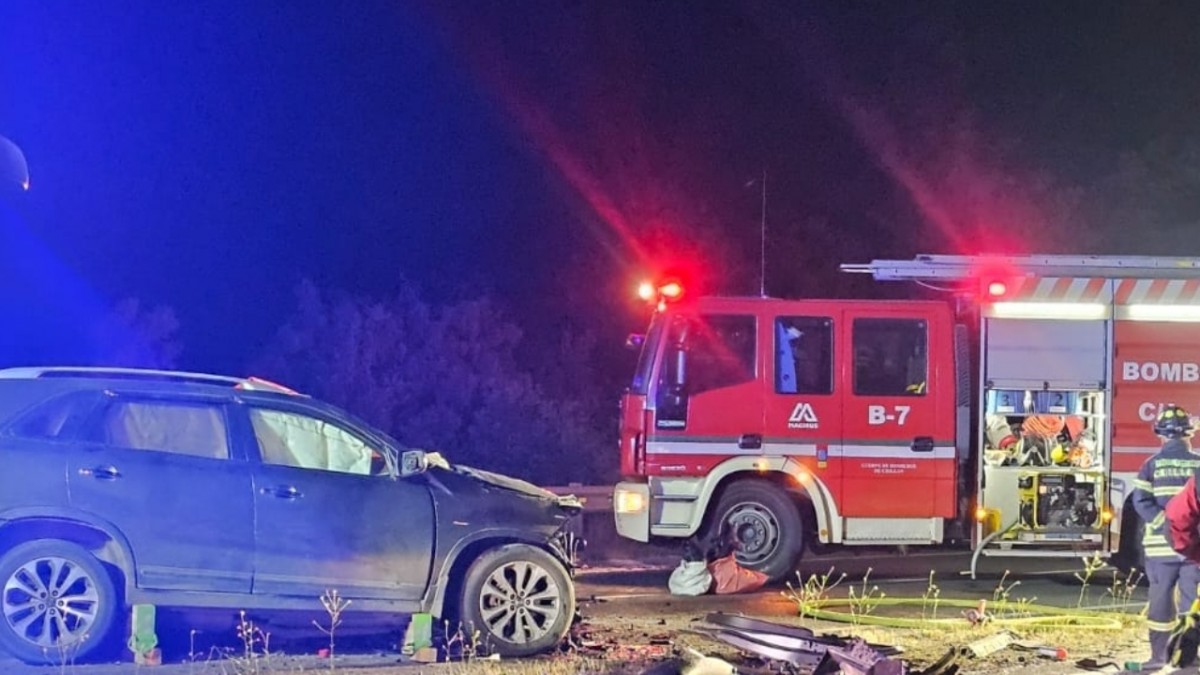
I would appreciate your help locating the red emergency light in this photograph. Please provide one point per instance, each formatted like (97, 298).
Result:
(997, 289)
(672, 290)
(662, 293)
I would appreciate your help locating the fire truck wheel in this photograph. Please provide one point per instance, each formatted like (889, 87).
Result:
(764, 522)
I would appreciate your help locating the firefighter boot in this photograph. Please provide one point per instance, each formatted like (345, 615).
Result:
(1159, 650)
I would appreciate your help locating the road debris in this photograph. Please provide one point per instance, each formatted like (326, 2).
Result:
(729, 577)
(1041, 649)
(978, 615)
(990, 644)
(699, 664)
(859, 658)
(691, 578)
(1098, 665)
(801, 649)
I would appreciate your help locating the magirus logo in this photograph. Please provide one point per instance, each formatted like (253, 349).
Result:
(803, 417)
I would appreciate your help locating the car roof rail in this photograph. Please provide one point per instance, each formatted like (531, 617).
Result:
(244, 383)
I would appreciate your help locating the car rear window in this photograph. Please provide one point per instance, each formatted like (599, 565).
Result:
(54, 419)
(183, 428)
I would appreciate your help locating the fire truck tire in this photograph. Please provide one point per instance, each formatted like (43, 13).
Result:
(765, 524)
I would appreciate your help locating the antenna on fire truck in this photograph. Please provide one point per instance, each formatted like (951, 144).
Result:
(762, 253)
(762, 233)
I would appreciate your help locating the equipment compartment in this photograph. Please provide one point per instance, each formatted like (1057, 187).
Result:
(1045, 466)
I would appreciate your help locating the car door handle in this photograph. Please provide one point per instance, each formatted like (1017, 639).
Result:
(100, 472)
(282, 491)
(750, 442)
(922, 444)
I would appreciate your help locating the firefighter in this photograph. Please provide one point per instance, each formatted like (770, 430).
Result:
(1161, 478)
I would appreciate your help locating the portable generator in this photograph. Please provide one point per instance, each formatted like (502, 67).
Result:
(1063, 501)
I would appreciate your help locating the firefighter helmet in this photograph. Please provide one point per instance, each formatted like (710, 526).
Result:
(1173, 422)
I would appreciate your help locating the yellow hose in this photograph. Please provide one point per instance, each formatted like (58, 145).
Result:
(1052, 617)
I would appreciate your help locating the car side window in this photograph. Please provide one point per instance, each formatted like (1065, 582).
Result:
(183, 428)
(291, 439)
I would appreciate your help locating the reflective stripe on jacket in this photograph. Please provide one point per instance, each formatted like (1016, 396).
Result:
(1161, 478)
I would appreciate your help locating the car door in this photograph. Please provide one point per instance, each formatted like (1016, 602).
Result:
(160, 469)
(330, 511)
(891, 438)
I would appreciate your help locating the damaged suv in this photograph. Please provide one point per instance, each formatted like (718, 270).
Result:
(182, 490)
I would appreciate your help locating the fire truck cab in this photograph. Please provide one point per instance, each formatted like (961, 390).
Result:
(1012, 416)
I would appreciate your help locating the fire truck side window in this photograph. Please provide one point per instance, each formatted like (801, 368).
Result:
(803, 355)
(890, 357)
(719, 353)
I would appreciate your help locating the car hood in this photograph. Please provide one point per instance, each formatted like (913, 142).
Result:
(517, 485)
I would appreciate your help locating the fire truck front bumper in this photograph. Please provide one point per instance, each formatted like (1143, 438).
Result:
(631, 508)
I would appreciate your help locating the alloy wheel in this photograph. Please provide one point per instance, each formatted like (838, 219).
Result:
(51, 602)
(520, 602)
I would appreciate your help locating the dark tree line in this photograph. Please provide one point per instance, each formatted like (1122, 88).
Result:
(445, 377)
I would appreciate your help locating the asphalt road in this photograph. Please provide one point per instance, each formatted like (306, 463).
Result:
(635, 591)
(1052, 581)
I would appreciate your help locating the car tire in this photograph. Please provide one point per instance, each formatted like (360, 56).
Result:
(519, 598)
(36, 631)
(765, 524)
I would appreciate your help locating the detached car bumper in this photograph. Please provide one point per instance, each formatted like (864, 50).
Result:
(631, 508)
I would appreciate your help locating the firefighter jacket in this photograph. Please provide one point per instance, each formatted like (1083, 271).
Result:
(1161, 478)
(1183, 521)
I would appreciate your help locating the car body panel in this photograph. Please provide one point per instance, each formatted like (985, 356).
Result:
(155, 497)
(366, 536)
(191, 531)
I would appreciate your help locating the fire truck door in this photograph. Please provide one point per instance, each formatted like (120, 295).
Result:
(891, 446)
(803, 408)
(707, 395)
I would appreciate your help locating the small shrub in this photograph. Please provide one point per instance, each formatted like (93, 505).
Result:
(334, 605)
(930, 597)
(813, 593)
(1090, 567)
(866, 600)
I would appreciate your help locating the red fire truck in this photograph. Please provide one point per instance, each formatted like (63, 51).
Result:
(1011, 416)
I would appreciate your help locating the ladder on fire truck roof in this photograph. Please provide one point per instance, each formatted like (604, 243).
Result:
(965, 267)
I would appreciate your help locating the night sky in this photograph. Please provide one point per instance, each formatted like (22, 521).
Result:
(210, 157)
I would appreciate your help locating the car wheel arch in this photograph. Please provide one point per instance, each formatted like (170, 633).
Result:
(449, 583)
(102, 539)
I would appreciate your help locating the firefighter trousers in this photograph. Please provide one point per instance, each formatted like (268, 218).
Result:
(1164, 574)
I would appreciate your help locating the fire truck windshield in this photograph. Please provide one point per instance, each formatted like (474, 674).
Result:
(645, 365)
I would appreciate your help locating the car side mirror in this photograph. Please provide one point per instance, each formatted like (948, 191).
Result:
(413, 462)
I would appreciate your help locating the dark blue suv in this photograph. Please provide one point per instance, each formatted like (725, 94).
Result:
(197, 491)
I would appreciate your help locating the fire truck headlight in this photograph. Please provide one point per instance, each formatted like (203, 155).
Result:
(625, 501)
